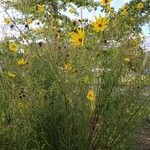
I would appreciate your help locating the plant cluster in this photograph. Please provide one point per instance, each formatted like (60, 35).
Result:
(81, 86)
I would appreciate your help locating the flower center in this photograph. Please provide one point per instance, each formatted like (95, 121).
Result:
(80, 40)
(106, 1)
(90, 95)
(100, 25)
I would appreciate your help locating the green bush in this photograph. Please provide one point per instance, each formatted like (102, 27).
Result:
(56, 95)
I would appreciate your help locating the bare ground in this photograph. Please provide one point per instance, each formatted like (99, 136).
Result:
(143, 141)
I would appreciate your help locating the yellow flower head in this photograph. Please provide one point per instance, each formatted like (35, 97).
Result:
(8, 21)
(105, 2)
(91, 95)
(127, 59)
(72, 10)
(100, 24)
(68, 67)
(140, 6)
(109, 9)
(124, 12)
(40, 30)
(77, 38)
(86, 80)
(40, 8)
(11, 74)
(22, 62)
(29, 20)
(13, 47)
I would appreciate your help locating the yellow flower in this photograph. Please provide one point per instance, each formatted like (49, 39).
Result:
(91, 95)
(72, 10)
(22, 62)
(68, 67)
(8, 21)
(109, 9)
(105, 2)
(77, 38)
(13, 47)
(127, 59)
(140, 6)
(124, 12)
(40, 30)
(11, 74)
(40, 8)
(29, 20)
(86, 80)
(100, 24)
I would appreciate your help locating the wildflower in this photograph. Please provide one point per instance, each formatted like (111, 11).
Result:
(29, 21)
(22, 62)
(8, 21)
(72, 10)
(109, 9)
(40, 8)
(140, 6)
(40, 30)
(13, 47)
(77, 38)
(55, 29)
(127, 59)
(11, 74)
(100, 24)
(135, 42)
(91, 95)
(124, 12)
(105, 2)
(68, 67)
(86, 79)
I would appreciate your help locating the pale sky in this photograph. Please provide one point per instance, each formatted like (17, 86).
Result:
(7, 31)
(115, 3)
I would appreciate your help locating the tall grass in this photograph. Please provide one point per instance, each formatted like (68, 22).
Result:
(45, 106)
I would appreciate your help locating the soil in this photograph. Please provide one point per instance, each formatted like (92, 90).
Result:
(144, 136)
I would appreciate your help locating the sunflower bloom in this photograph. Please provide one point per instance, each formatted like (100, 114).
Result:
(40, 30)
(68, 67)
(124, 12)
(11, 74)
(8, 21)
(86, 80)
(91, 95)
(100, 24)
(13, 47)
(29, 21)
(77, 38)
(105, 2)
(72, 10)
(140, 6)
(40, 8)
(127, 59)
(109, 9)
(22, 62)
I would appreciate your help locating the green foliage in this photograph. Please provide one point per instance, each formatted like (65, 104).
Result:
(44, 102)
